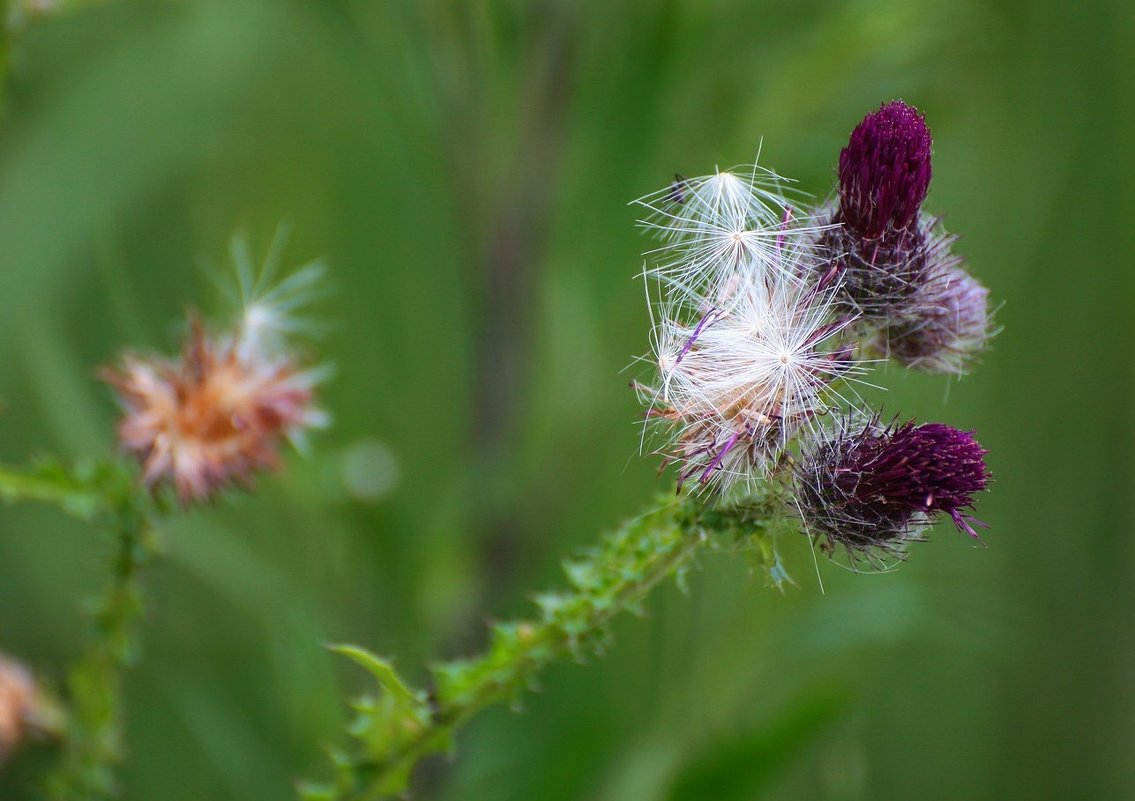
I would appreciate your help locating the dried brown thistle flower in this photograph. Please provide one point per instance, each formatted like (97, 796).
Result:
(218, 413)
(19, 701)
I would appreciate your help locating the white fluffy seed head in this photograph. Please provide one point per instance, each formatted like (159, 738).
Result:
(712, 225)
(738, 382)
(747, 339)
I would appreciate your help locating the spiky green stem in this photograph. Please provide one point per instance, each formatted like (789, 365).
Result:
(92, 746)
(401, 726)
(104, 494)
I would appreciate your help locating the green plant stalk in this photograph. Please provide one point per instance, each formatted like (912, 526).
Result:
(540, 643)
(17, 486)
(92, 744)
(401, 726)
(106, 495)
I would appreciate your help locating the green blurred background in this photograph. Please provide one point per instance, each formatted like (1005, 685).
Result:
(465, 170)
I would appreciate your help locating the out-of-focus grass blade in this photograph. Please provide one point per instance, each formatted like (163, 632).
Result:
(744, 766)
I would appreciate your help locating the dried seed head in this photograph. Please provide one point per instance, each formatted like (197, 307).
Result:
(219, 413)
(884, 172)
(711, 225)
(736, 385)
(873, 488)
(213, 417)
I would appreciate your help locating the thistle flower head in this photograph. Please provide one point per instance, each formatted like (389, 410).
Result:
(740, 381)
(713, 225)
(878, 278)
(884, 172)
(870, 487)
(948, 325)
(218, 413)
(883, 245)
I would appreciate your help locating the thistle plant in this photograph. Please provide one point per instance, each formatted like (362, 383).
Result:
(191, 426)
(766, 313)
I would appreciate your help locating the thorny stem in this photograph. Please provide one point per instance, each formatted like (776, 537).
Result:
(91, 733)
(403, 726)
(92, 742)
(542, 643)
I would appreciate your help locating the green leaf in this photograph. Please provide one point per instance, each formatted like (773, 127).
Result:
(582, 575)
(382, 671)
(310, 791)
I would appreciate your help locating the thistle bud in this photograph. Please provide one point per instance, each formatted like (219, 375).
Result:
(873, 488)
(948, 326)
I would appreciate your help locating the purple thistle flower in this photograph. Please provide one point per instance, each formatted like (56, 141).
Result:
(874, 488)
(884, 172)
(949, 326)
(879, 240)
(879, 277)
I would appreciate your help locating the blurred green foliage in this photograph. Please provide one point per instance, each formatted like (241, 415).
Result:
(465, 169)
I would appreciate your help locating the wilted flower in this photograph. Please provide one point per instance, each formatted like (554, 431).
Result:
(218, 413)
(947, 326)
(20, 701)
(871, 487)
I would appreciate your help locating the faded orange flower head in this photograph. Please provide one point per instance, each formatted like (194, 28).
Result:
(19, 700)
(219, 413)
